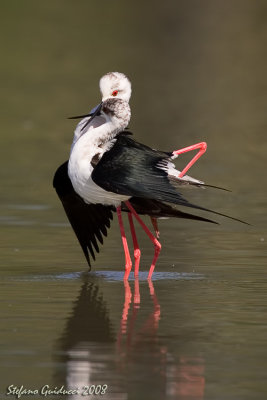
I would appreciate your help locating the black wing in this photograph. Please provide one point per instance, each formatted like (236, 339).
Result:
(133, 169)
(89, 221)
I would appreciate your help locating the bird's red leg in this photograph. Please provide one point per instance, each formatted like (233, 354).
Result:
(128, 262)
(137, 252)
(150, 235)
(202, 148)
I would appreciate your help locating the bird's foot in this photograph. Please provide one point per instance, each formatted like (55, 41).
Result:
(128, 267)
(156, 254)
(137, 256)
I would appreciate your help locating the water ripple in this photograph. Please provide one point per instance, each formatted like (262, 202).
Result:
(110, 276)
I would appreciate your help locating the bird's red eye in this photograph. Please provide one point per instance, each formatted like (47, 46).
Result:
(115, 92)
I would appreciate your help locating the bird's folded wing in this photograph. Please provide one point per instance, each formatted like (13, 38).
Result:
(133, 169)
(89, 221)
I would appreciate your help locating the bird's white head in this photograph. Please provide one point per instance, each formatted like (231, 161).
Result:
(115, 84)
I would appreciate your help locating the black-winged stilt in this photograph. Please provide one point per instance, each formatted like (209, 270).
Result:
(109, 171)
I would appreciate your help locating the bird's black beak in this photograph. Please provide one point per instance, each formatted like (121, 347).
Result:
(80, 116)
(92, 115)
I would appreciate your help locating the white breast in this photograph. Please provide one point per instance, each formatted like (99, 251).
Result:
(80, 170)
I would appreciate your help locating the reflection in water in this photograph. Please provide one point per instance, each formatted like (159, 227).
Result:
(151, 325)
(85, 341)
(90, 353)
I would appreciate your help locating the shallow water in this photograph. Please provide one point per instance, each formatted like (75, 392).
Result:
(198, 330)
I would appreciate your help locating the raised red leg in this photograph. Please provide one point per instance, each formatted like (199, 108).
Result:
(150, 235)
(202, 148)
(137, 252)
(128, 262)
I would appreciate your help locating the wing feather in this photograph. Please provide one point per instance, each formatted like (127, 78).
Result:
(89, 221)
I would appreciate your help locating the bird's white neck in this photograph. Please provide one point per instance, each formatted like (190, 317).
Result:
(114, 118)
(96, 134)
(86, 151)
(94, 142)
(90, 142)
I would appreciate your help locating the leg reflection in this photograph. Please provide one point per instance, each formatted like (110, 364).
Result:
(127, 324)
(142, 355)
